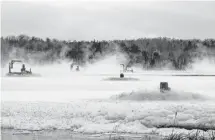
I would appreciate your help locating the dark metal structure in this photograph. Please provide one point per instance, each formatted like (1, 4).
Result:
(164, 87)
(121, 75)
(126, 68)
(72, 66)
(22, 71)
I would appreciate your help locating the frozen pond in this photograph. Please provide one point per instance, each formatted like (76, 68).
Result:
(78, 86)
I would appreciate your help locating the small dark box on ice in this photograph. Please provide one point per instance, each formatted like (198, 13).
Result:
(164, 86)
(121, 75)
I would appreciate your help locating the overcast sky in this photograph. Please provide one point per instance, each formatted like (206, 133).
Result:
(88, 20)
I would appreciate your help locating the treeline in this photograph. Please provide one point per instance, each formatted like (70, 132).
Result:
(146, 52)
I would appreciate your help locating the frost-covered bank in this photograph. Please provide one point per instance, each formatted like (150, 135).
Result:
(102, 116)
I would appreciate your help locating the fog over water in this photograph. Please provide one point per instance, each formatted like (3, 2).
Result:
(58, 81)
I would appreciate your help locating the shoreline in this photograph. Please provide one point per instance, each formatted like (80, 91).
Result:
(12, 134)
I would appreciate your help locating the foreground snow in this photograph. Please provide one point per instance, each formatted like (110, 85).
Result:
(102, 116)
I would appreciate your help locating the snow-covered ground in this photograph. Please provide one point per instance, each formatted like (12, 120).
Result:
(86, 102)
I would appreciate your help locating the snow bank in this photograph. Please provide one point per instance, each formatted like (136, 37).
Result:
(157, 95)
(106, 116)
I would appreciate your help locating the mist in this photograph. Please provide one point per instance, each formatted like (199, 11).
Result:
(111, 64)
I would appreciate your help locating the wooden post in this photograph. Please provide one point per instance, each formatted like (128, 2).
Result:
(9, 68)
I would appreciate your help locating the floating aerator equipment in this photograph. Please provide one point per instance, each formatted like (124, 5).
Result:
(74, 65)
(126, 68)
(121, 75)
(164, 87)
(22, 71)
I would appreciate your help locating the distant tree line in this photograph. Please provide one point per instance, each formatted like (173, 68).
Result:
(146, 52)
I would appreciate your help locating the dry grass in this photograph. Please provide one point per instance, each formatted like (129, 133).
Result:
(194, 136)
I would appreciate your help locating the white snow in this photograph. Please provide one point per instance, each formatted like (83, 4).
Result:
(103, 116)
(85, 102)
